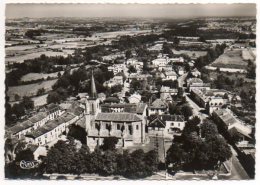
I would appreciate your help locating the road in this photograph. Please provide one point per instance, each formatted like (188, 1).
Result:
(237, 170)
(197, 111)
(126, 86)
(181, 79)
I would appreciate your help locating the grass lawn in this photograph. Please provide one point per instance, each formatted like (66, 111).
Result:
(37, 76)
(30, 89)
(230, 59)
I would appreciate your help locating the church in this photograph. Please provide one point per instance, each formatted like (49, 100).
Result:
(129, 128)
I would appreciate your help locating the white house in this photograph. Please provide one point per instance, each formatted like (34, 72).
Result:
(170, 75)
(166, 125)
(135, 98)
(157, 107)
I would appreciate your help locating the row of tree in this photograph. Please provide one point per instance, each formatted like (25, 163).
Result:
(65, 158)
(212, 54)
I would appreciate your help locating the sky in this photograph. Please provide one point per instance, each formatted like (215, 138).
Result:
(129, 10)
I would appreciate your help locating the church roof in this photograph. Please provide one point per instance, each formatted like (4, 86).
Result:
(120, 117)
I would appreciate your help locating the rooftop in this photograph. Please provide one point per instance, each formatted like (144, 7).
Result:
(160, 120)
(158, 104)
(120, 117)
(50, 125)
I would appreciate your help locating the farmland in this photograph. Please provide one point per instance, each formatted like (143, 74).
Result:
(21, 58)
(249, 54)
(38, 76)
(230, 59)
(29, 90)
(190, 53)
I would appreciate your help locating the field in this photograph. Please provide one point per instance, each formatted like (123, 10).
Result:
(249, 54)
(21, 58)
(37, 76)
(29, 90)
(40, 100)
(190, 53)
(230, 59)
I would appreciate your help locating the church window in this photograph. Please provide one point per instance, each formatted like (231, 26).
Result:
(137, 127)
(118, 126)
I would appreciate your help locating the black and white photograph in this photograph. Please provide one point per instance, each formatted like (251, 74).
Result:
(129, 91)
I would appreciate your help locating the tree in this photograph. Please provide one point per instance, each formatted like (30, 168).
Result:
(195, 120)
(186, 111)
(176, 41)
(27, 103)
(109, 143)
(18, 110)
(53, 97)
(131, 69)
(78, 133)
(218, 150)
(17, 97)
(189, 128)
(40, 91)
(14, 171)
(208, 129)
(109, 163)
(136, 166)
(176, 157)
(61, 158)
(151, 159)
(201, 39)
(128, 54)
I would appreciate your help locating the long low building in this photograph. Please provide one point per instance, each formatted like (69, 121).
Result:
(20, 129)
(226, 118)
(51, 130)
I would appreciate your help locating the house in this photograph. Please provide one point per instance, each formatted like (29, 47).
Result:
(135, 98)
(127, 127)
(116, 80)
(157, 107)
(195, 73)
(165, 125)
(53, 111)
(176, 60)
(139, 108)
(116, 68)
(165, 68)
(211, 100)
(102, 96)
(38, 151)
(156, 47)
(170, 75)
(139, 77)
(197, 83)
(160, 61)
(180, 70)
(160, 75)
(166, 93)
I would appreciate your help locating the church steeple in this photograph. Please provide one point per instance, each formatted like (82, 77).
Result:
(93, 87)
